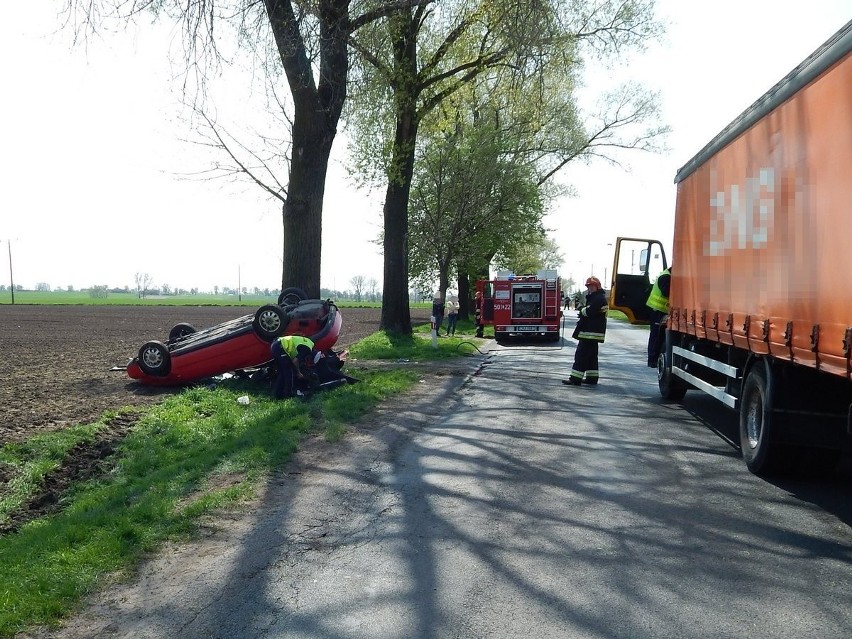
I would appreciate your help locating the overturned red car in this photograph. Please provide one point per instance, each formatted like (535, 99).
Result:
(189, 355)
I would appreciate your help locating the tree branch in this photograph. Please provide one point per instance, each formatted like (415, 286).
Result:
(280, 192)
(442, 50)
(384, 11)
(292, 52)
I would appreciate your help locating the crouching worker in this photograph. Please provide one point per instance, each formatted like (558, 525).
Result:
(292, 355)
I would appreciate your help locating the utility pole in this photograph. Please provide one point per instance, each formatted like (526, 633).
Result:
(11, 277)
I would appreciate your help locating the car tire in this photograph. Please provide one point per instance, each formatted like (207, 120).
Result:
(269, 322)
(290, 296)
(154, 359)
(179, 331)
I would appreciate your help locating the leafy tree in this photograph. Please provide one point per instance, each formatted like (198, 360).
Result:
(469, 200)
(540, 254)
(430, 55)
(307, 42)
(427, 56)
(528, 126)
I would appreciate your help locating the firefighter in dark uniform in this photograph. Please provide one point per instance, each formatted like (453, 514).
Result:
(590, 331)
(477, 313)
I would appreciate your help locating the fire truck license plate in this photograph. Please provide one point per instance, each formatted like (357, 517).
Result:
(526, 328)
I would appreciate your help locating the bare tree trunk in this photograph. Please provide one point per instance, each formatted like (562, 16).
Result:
(467, 287)
(302, 210)
(396, 314)
(443, 284)
(465, 296)
(317, 109)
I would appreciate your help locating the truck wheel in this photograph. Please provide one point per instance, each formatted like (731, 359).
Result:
(269, 322)
(761, 454)
(291, 295)
(672, 388)
(154, 359)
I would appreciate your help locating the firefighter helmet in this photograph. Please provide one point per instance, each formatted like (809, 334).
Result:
(593, 281)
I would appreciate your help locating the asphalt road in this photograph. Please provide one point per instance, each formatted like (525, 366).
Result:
(505, 504)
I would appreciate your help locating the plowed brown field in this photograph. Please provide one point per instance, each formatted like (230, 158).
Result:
(55, 361)
(57, 368)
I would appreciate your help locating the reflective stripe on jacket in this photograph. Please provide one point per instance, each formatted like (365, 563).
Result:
(592, 322)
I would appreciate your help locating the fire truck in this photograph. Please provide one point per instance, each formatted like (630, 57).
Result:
(522, 306)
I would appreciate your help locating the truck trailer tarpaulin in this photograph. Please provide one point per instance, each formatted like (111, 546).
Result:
(760, 309)
(762, 226)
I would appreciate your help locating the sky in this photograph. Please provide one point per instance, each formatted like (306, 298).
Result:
(97, 155)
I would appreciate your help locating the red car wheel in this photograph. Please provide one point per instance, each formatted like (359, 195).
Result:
(290, 296)
(179, 331)
(154, 359)
(269, 322)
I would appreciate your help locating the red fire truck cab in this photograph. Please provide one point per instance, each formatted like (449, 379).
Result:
(523, 306)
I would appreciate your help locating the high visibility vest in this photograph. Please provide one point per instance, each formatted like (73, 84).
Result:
(291, 343)
(656, 299)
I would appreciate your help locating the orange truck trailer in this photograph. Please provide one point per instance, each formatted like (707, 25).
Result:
(760, 309)
(523, 306)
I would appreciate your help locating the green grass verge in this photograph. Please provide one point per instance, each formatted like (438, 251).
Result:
(168, 473)
(419, 347)
(617, 315)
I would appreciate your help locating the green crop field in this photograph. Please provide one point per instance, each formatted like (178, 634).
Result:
(124, 299)
(131, 299)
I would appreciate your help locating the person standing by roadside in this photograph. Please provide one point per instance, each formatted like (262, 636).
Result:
(589, 332)
(437, 312)
(577, 300)
(452, 315)
(658, 302)
(477, 313)
(290, 353)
